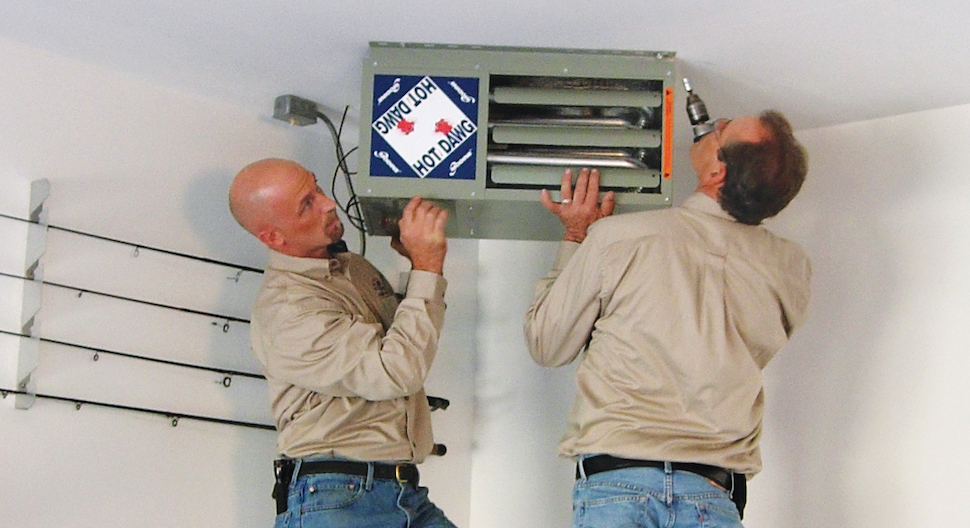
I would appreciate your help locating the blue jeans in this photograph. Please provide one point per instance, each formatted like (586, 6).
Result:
(336, 500)
(651, 498)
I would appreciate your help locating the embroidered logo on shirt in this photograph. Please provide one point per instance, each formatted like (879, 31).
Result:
(382, 288)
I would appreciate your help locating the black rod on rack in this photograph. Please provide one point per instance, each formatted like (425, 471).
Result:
(131, 299)
(227, 372)
(174, 416)
(134, 245)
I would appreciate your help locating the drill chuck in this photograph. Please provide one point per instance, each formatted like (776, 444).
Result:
(697, 113)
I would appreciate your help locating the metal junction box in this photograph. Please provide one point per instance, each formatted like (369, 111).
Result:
(480, 130)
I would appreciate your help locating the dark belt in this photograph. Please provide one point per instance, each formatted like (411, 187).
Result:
(601, 463)
(734, 483)
(284, 472)
(398, 472)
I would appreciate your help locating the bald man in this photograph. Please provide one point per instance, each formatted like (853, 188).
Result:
(345, 359)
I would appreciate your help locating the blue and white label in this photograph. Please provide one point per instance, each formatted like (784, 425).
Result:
(424, 127)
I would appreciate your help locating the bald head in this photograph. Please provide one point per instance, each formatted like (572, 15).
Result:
(252, 191)
(279, 202)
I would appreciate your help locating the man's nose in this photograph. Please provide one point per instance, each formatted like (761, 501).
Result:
(328, 203)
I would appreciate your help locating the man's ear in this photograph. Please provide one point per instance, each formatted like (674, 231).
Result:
(271, 237)
(717, 178)
(711, 181)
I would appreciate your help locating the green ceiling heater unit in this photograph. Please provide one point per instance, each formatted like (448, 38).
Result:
(481, 129)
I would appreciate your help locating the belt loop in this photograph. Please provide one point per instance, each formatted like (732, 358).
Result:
(731, 491)
(369, 483)
(579, 466)
(296, 471)
(668, 483)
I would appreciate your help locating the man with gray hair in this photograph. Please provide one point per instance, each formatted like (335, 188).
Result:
(673, 314)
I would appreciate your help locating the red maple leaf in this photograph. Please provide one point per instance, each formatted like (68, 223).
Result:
(406, 126)
(443, 127)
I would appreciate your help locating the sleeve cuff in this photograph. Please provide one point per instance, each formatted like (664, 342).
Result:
(426, 285)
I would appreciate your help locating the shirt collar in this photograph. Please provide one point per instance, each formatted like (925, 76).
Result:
(703, 203)
(310, 267)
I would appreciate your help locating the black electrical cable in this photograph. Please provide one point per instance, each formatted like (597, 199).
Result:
(352, 203)
(352, 207)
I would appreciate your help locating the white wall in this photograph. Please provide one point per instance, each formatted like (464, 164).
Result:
(148, 165)
(517, 479)
(136, 162)
(867, 407)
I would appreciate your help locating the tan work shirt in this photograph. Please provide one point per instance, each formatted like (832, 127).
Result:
(679, 310)
(345, 361)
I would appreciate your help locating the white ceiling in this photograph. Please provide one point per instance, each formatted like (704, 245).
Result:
(821, 62)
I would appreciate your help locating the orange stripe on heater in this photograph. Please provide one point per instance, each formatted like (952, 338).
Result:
(668, 153)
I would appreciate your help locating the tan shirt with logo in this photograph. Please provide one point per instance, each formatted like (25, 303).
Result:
(673, 313)
(345, 360)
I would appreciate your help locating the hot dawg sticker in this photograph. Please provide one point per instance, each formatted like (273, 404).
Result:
(424, 127)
